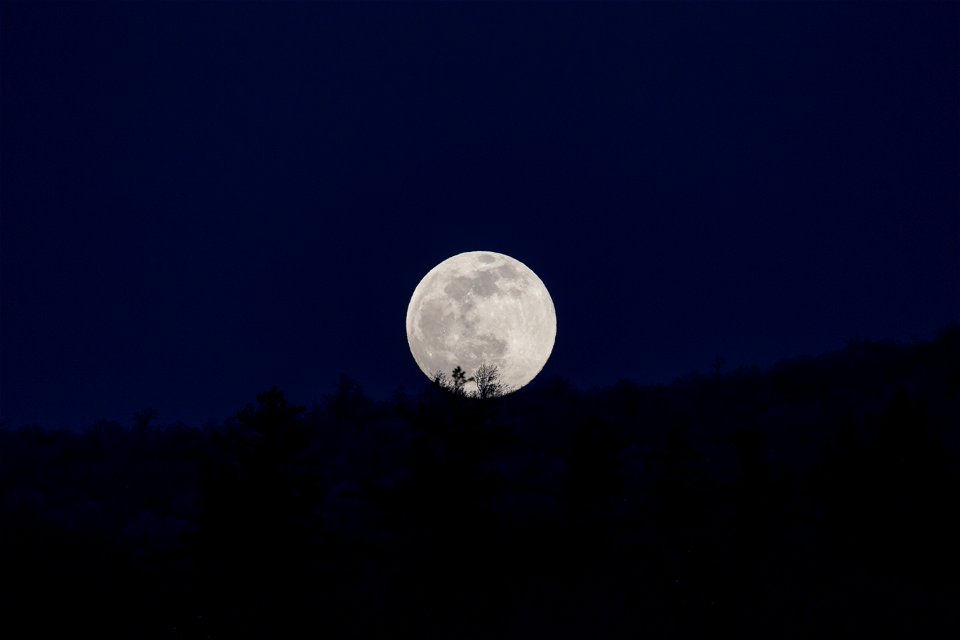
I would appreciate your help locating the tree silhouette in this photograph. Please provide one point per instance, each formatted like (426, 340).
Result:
(257, 527)
(458, 379)
(487, 378)
(488, 381)
(455, 383)
(142, 419)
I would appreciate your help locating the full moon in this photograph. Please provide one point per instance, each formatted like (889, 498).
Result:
(482, 307)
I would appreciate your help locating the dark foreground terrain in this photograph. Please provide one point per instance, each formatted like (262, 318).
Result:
(816, 499)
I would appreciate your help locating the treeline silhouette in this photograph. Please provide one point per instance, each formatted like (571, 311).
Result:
(486, 380)
(815, 499)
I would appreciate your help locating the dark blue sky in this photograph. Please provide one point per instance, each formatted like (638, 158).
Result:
(199, 201)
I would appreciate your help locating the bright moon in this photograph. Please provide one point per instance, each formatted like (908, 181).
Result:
(482, 307)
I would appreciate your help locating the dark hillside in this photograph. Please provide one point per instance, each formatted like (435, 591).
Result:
(814, 499)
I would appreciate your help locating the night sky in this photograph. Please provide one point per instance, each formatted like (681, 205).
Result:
(200, 201)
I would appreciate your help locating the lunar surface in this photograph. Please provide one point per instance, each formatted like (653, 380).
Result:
(482, 307)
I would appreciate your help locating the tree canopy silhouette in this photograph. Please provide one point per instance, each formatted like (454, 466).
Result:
(487, 377)
(720, 505)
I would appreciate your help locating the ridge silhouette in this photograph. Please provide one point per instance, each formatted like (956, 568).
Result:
(815, 495)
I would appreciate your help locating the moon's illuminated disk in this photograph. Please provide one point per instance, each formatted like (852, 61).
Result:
(482, 307)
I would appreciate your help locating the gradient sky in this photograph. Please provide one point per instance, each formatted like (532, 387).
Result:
(200, 201)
